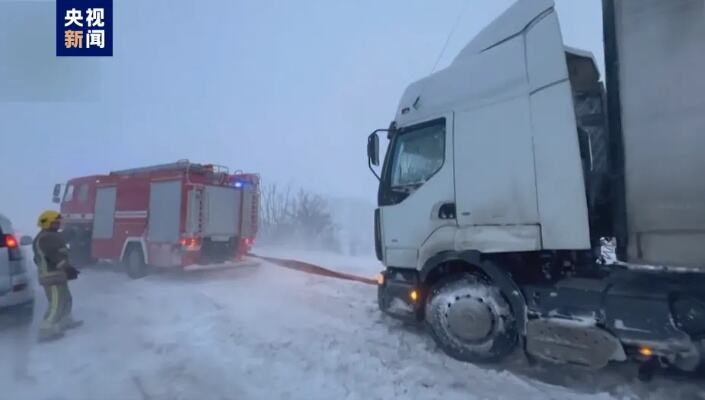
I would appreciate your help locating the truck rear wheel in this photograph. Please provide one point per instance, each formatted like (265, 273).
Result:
(470, 319)
(134, 263)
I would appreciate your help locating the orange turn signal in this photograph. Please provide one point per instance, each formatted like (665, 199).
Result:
(646, 351)
(414, 295)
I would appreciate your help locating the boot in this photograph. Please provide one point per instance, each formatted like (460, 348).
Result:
(69, 323)
(47, 334)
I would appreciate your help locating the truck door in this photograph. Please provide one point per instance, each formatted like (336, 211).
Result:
(103, 222)
(417, 180)
(164, 224)
(164, 211)
(193, 215)
(249, 211)
(221, 212)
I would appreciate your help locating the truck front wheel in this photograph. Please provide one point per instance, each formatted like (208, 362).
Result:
(134, 263)
(470, 319)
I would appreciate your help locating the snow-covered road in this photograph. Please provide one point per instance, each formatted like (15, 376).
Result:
(263, 332)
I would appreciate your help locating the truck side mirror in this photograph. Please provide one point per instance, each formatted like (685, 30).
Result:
(373, 149)
(25, 240)
(56, 198)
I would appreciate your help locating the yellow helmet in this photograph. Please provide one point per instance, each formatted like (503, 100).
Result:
(47, 218)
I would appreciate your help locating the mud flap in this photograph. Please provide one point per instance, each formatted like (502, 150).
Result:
(393, 298)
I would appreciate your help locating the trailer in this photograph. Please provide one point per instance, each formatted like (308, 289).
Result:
(512, 174)
(168, 215)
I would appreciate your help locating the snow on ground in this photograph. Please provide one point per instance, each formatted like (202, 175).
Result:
(263, 332)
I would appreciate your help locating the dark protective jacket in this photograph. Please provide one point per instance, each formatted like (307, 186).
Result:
(52, 257)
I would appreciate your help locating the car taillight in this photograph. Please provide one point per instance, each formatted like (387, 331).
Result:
(13, 247)
(11, 242)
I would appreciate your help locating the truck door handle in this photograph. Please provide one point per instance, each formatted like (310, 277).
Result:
(446, 211)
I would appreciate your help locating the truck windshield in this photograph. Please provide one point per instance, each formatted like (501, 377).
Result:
(417, 153)
(68, 195)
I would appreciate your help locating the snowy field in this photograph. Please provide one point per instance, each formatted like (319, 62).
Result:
(263, 332)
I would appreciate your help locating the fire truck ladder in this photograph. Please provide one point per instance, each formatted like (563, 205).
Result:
(179, 165)
(219, 172)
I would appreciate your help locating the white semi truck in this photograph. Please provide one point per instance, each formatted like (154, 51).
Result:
(510, 172)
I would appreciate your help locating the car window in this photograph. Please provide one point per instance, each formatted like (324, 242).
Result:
(83, 193)
(5, 225)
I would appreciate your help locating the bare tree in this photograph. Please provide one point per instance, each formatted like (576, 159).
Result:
(276, 209)
(311, 213)
(302, 220)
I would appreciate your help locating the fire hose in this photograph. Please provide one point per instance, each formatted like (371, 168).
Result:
(314, 269)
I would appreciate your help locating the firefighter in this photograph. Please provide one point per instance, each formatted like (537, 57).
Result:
(54, 270)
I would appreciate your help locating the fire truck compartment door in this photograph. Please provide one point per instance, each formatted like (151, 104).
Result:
(164, 211)
(249, 227)
(221, 211)
(104, 214)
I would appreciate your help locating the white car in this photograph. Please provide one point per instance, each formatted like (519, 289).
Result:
(16, 294)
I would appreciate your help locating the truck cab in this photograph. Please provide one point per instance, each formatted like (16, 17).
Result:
(495, 196)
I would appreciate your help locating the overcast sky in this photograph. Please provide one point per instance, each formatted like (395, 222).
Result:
(289, 89)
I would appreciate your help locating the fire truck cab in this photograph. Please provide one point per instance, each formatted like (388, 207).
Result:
(169, 215)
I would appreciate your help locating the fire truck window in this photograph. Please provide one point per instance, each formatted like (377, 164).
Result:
(68, 195)
(83, 193)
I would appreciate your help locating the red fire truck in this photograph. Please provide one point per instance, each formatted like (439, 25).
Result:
(169, 215)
